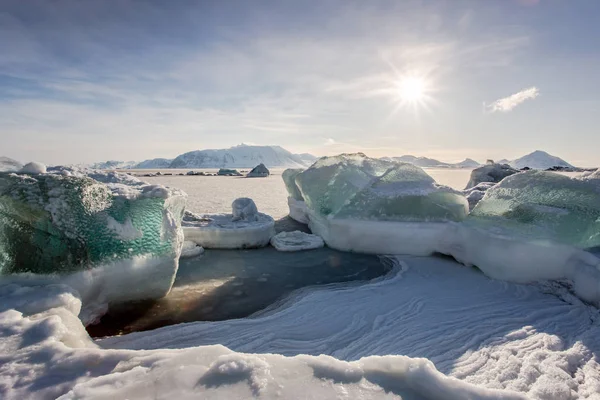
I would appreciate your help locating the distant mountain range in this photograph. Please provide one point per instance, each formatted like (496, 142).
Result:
(425, 162)
(536, 160)
(242, 156)
(8, 164)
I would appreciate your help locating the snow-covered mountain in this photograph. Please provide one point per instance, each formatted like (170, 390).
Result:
(539, 160)
(8, 164)
(155, 163)
(242, 156)
(425, 162)
(112, 164)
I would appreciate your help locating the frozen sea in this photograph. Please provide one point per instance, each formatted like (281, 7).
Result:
(391, 326)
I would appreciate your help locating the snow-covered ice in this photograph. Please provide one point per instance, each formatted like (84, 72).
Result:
(493, 173)
(9, 165)
(244, 228)
(296, 241)
(298, 210)
(111, 241)
(260, 171)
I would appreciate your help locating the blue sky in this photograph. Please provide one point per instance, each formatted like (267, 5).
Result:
(84, 81)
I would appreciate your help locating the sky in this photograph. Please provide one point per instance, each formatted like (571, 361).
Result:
(86, 81)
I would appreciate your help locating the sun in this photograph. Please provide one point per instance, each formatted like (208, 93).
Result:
(412, 89)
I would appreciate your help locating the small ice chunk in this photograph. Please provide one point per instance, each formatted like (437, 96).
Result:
(221, 231)
(191, 249)
(33, 168)
(296, 241)
(244, 209)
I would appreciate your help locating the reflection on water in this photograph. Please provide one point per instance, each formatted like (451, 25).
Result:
(226, 284)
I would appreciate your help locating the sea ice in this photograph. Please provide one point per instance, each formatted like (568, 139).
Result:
(357, 203)
(490, 173)
(9, 165)
(475, 194)
(111, 242)
(244, 228)
(533, 226)
(297, 206)
(296, 241)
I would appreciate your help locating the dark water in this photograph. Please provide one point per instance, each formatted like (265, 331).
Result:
(227, 284)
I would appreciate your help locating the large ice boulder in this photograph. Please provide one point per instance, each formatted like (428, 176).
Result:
(33, 168)
(228, 172)
(357, 203)
(113, 238)
(534, 226)
(244, 228)
(260, 171)
(297, 206)
(490, 172)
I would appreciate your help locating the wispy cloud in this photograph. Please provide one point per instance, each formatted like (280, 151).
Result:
(506, 104)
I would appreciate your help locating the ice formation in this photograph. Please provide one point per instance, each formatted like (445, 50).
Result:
(260, 171)
(356, 203)
(244, 228)
(191, 249)
(110, 236)
(476, 193)
(490, 173)
(297, 206)
(228, 172)
(296, 241)
(534, 226)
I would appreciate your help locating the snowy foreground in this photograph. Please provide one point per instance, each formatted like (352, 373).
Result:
(387, 337)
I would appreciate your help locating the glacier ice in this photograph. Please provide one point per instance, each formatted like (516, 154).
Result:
(296, 241)
(357, 203)
(490, 173)
(191, 249)
(244, 228)
(475, 194)
(111, 241)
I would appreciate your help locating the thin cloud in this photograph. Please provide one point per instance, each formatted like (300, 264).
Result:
(508, 103)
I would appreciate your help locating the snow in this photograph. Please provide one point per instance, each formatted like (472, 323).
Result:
(219, 231)
(191, 249)
(493, 173)
(475, 194)
(538, 340)
(539, 160)
(296, 241)
(33, 168)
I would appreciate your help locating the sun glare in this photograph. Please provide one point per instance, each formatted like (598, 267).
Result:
(411, 89)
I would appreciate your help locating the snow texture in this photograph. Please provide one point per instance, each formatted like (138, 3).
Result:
(260, 171)
(475, 194)
(296, 241)
(492, 173)
(537, 340)
(220, 231)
